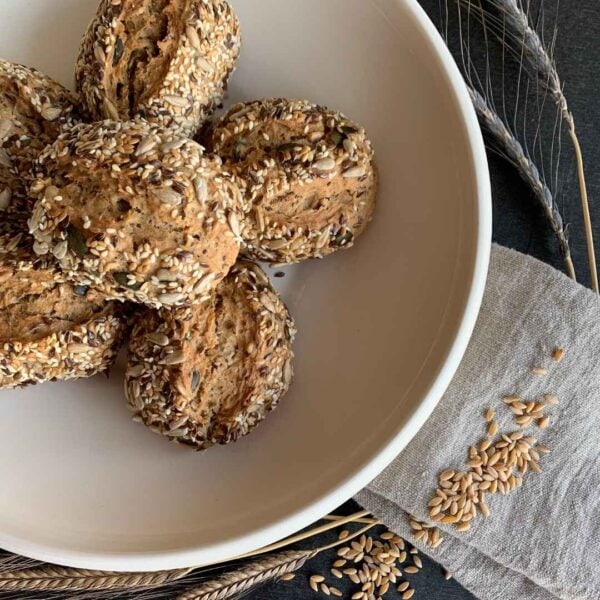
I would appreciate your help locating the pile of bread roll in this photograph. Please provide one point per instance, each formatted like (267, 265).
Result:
(127, 214)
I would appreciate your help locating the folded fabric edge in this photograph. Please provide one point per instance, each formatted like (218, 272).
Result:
(546, 268)
(476, 572)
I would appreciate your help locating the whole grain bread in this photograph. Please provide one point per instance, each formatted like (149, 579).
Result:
(307, 174)
(137, 212)
(211, 373)
(49, 329)
(168, 61)
(33, 110)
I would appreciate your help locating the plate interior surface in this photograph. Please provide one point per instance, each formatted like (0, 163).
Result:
(84, 485)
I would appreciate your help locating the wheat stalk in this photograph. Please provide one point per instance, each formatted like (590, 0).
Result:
(511, 148)
(240, 581)
(53, 578)
(334, 523)
(261, 571)
(543, 66)
(366, 520)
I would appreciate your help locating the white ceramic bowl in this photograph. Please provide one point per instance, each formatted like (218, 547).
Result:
(383, 327)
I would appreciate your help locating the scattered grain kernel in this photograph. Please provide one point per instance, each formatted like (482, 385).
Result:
(485, 444)
(510, 399)
(492, 429)
(534, 466)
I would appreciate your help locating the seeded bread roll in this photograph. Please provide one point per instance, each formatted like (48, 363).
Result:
(33, 109)
(49, 329)
(209, 374)
(136, 212)
(307, 174)
(168, 61)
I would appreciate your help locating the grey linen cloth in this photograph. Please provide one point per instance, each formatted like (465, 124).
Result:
(541, 541)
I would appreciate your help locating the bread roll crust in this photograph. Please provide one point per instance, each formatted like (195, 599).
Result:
(211, 373)
(307, 174)
(137, 212)
(168, 61)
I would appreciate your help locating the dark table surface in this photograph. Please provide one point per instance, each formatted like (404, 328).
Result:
(519, 223)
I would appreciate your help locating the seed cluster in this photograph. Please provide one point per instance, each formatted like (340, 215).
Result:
(307, 176)
(376, 565)
(496, 465)
(528, 413)
(16, 250)
(426, 533)
(169, 64)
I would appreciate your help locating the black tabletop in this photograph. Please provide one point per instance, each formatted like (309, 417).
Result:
(520, 224)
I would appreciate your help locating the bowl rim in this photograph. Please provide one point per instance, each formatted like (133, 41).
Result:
(354, 482)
